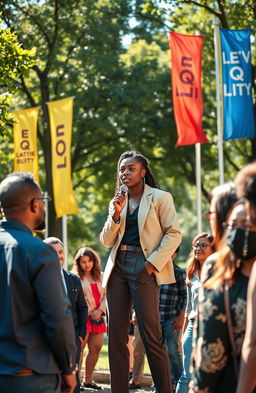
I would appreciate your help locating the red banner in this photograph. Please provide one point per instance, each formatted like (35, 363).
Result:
(186, 87)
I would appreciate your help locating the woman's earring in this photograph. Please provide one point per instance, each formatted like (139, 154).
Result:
(238, 263)
(245, 247)
(143, 179)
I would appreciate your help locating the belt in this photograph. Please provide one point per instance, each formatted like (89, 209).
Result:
(124, 247)
(26, 371)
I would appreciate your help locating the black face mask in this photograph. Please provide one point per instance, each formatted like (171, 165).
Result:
(242, 242)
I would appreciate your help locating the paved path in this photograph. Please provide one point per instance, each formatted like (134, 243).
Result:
(102, 378)
(106, 389)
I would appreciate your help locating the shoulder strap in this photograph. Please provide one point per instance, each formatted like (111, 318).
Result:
(230, 327)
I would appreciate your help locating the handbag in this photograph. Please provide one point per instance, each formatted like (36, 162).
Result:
(97, 323)
(230, 327)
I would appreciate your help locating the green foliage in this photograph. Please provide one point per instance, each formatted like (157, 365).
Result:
(122, 98)
(14, 63)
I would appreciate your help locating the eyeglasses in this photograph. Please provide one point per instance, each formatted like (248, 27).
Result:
(200, 246)
(208, 214)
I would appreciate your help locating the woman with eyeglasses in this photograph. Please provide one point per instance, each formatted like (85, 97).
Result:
(202, 247)
(223, 303)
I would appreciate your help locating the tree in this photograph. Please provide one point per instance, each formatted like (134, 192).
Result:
(14, 62)
(190, 16)
(122, 97)
(78, 57)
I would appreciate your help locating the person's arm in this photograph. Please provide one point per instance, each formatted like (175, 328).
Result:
(182, 299)
(82, 310)
(54, 307)
(101, 310)
(68, 383)
(189, 301)
(179, 321)
(171, 232)
(110, 230)
(247, 375)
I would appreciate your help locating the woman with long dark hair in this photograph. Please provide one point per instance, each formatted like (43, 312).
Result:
(143, 231)
(87, 266)
(222, 199)
(223, 301)
(202, 247)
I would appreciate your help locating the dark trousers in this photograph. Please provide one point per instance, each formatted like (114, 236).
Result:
(78, 354)
(36, 383)
(130, 284)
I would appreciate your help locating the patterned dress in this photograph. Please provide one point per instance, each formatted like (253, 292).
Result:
(213, 364)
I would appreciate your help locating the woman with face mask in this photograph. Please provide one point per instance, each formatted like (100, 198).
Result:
(245, 184)
(217, 351)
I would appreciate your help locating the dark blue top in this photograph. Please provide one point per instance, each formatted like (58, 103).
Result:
(131, 235)
(36, 329)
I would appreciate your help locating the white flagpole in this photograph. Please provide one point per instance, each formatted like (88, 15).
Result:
(218, 98)
(198, 187)
(46, 231)
(65, 239)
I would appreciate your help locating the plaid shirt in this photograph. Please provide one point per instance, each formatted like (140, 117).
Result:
(173, 297)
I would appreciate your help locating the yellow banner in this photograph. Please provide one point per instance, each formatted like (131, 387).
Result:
(60, 114)
(25, 141)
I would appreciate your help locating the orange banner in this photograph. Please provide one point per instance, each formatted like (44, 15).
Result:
(186, 51)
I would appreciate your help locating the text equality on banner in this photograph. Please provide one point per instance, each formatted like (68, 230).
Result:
(238, 119)
(61, 114)
(186, 51)
(25, 141)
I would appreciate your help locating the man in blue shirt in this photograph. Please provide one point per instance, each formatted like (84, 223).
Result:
(37, 338)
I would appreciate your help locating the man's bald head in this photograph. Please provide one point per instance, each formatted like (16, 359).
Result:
(17, 190)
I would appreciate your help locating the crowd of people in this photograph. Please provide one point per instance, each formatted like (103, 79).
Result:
(197, 328)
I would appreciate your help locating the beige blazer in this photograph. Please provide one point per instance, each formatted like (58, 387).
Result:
(89, 298)
(158, 229)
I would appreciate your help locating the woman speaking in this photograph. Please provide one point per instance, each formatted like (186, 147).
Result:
(143, 231)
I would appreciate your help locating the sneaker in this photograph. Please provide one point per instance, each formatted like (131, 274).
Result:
(92, 385)
(153, 388)
(134, 386)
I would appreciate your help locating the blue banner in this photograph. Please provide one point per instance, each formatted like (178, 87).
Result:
(238, 119)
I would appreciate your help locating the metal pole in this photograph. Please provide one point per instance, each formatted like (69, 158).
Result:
(65, 239)
(198, 187)
(218, 99)
(46, 231)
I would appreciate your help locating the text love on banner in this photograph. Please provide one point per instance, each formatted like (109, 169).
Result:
(61, 114)
(186, 70)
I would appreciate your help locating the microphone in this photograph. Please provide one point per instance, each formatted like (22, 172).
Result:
(123, 189)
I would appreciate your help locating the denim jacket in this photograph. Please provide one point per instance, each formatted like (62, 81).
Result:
(192, 296)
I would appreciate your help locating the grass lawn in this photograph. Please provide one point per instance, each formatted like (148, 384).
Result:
(103, 359)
